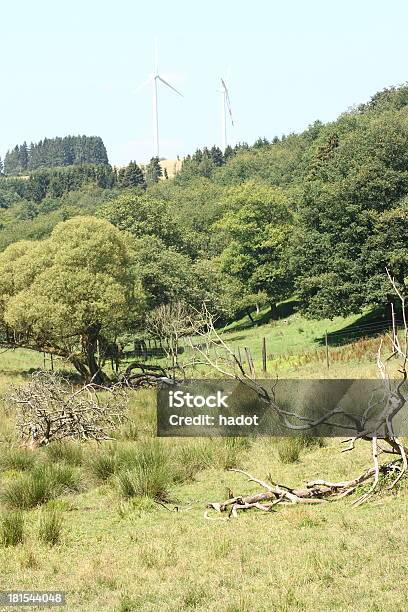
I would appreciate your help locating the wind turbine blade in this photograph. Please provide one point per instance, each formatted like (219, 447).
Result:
(227, 98)
(144, 84)
(168, 85)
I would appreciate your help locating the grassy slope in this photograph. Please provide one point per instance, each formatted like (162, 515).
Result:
(118, 555)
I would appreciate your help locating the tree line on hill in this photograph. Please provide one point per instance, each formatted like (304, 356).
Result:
(318, 215)
(54, 152)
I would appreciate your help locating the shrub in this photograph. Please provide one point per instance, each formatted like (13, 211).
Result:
(43, 483)
(12, 528)
(19, 459)
(50, 527)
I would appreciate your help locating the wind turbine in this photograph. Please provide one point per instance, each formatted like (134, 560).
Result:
(225, 108)
(154, 79)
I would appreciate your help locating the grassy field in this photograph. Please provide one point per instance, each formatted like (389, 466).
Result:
(91, 525)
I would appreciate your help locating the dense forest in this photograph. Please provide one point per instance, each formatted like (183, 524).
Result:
(53, 152)
(317, 215)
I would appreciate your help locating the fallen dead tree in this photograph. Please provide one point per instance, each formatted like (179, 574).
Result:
(315, 492)
(381, 436)
(150, 375)
(49, 408)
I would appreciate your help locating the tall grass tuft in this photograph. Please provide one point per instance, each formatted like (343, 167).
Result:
(67, 452)
(43, 483)
(289, 449)
(189, 457)
(103, 464)
(50, 527)
(145, 471)
(12, 528)
(19, 459)
(229, 451)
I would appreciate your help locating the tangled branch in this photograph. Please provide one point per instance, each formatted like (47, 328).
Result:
(49, 408)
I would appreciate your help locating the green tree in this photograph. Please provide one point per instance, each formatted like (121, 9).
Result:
(165, 274)
(153, 171)
(71, 293)
(361, 175)
(131, 176)
(142, 216)
(257, 235)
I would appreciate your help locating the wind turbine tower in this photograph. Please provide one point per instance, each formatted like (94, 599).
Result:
(154, 79)
(225, 110)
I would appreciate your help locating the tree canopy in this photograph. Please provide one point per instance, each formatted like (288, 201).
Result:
(72, 293)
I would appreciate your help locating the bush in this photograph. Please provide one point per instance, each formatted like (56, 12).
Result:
(45, 482)
(67, 452)
(19, 459)
(12, 528)
(50, 527)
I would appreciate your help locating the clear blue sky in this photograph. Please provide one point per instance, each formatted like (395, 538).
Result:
(75, 67)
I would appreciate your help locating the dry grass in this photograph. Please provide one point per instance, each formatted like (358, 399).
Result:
(119, 554)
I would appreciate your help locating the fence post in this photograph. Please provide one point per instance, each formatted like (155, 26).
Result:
(248, 359)
(327, 350)
(394, 331)
(264, 354)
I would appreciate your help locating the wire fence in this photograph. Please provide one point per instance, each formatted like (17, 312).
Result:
(325, 348)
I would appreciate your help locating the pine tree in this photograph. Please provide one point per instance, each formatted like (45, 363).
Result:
(260, 143)
(131, 176)
(217, 156)
(23, 156)
(12, 162)
(228, 153)
(153, 170)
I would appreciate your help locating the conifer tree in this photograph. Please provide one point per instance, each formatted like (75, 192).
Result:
(153, 171)
(131, 176)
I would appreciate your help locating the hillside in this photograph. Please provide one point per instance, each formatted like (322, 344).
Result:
(316, 216)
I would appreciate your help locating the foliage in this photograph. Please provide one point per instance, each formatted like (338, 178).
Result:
(131, 176)
(51, 152)
(319, 214)
(257, 235)
(153, 171)
(71, 291)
